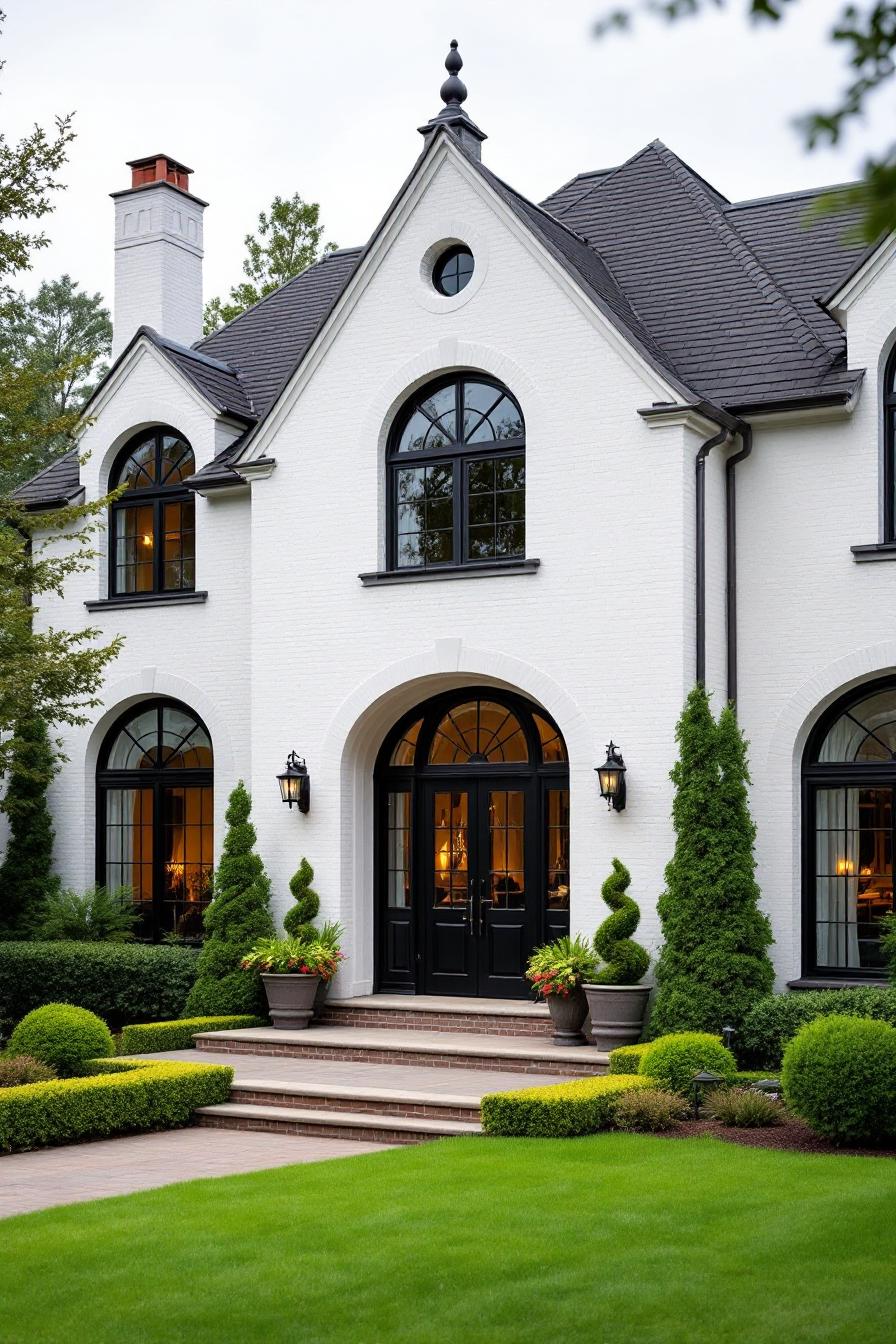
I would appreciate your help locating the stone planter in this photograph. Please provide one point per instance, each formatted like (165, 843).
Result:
(320, 998)
(617, 1014)
(567, 1016)
(290, 999)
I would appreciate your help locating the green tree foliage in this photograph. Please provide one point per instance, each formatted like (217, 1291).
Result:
(867, 36)
(237, 918)
(53, 674)
(625, 960)
(714, 963)
(26, 871)
(287, 242)
(298, 919)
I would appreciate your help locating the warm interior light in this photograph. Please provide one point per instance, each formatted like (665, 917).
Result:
(845, 868)
(146, 539)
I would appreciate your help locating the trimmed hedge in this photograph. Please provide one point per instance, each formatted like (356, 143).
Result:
(673, 1060)
(145, 1037)
(62, 1036)
(627, 1058)
(776, 1019)
(839, 1074)
(119, 1097)
(558, 1111)
(120, 982)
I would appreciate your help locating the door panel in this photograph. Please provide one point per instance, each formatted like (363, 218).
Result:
(449, 853)
(506, 926)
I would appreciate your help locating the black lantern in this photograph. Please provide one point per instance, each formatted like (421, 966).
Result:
(295, 783)
(612, 778)
(699, 1083)
(728, 1035)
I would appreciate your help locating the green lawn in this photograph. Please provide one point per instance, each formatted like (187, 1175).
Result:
(613, 1238)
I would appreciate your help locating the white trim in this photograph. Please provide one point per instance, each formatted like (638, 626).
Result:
(661, 390)
(840, 303)
(685, 417)
(807, 415)
(128, 365)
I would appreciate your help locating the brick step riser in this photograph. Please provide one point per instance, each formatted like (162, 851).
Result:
(369, 1134)
(335, 1105)
(588, 1067)
(409, 1020)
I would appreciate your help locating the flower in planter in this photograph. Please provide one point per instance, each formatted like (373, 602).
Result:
(560, 967)
(296, 956)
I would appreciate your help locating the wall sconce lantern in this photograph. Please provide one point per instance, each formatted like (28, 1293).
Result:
(295, 783)
(612, 778)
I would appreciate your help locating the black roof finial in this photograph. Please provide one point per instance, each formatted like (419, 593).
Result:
(454, 91)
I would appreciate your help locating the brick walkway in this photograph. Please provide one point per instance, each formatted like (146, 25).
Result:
(82, 1171)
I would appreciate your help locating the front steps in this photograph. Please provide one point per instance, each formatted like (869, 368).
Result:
(374, 1068)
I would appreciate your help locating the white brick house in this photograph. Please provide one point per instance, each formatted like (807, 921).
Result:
(309, 577)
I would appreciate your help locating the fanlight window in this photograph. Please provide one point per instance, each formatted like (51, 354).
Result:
(458, 477)
(479, 731)
(553, 748)
(161, 737)
(153, 524)
(403, 751)
(864, 732)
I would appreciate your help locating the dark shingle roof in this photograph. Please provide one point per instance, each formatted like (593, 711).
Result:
(218, 382)
(59, 483)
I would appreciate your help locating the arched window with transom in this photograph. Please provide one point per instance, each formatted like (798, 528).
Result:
(849, 791)
(155, 786)
(153, 528)
(457, 476)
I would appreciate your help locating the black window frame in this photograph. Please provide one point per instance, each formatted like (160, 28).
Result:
(155, 780)
(443, 261)
(458, 454)
(837, 774)
(157, 496)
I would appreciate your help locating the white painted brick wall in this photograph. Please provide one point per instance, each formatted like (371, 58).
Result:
(158, 264)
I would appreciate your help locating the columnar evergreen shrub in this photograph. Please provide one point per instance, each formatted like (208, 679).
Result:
(776, 1018)
(62, 1036)
(625, 960)
(298, 920)
(839, 1074)
(714, 962)
(673, 1060)
(237, 918)
(26, 872)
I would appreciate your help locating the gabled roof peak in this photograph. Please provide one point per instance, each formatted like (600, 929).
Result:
(453, 93)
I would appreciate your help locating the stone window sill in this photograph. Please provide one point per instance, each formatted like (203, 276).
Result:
(878, 550)
(147, 600)
(482, 571)
(838, 982)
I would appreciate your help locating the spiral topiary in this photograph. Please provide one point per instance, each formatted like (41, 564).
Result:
(297, 920)
(626, 961)
(63, 1036)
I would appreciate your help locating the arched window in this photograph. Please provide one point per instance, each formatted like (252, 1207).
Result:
(457, 476)
(849, 785)
(155, 830)
(889, 408)
(153, 546)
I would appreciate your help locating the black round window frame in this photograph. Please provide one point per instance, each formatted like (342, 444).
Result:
(844, 774)
(154, 778)
(458, 453)
(157, 496)
(443, 260)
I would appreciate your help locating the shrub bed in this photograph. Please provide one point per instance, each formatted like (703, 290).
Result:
(62, 1036)
(558, 1111)
(143, 1038)
(119, 1097)
(673, 1060)
(122, 983)
(839, 1074)
(627, 1058)
(776, 1019)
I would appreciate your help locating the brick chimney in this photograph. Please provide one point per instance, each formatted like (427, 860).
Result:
(158, 253)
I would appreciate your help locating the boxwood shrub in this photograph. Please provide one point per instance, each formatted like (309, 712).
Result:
(558, 1111)
(776, 1019)
(839, 1074)
(121, 982)
(673, 1060)
(145, 1037)
(119, 1097)
(62, 1036)
(627, 1058)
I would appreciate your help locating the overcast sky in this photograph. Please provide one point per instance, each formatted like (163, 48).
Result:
(324, 98)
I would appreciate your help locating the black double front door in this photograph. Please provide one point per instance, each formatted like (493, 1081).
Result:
(478, 885)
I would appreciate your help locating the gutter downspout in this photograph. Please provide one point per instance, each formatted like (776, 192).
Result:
(746, 437)
(700, 471)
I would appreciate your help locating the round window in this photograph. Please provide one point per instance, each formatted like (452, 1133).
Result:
(453, 270)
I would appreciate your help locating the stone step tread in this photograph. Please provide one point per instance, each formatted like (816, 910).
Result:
(351, 1093)
(433, 1003)
(416, 1042)
(340, 1119)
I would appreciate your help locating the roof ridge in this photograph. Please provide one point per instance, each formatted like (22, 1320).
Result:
(729, 236)
(788, 195)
